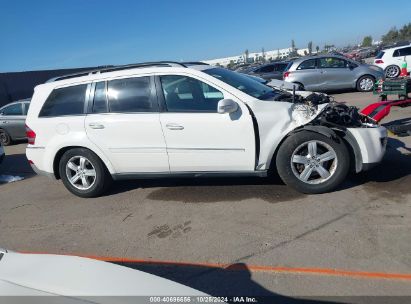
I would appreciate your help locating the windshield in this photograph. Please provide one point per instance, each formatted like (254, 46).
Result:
(379, 55)
(242, 83)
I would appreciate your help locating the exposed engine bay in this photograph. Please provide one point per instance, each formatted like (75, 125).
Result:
(333, 114)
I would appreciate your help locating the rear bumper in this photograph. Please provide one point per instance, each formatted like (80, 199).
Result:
(41, 172)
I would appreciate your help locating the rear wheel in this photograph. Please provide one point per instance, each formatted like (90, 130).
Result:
(312, 163)
(392, 71)
(365, 83)
(83, 173)
(5, 138)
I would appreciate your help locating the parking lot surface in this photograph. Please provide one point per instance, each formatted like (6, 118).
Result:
(258, 225)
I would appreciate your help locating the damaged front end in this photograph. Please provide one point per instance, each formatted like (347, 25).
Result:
(319, 113)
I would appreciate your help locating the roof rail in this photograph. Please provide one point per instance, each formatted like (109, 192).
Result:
(106, 69)
(194, 63)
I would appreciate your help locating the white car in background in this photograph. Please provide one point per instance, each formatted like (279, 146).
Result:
(24, 278)
(171, 119)
(391, 60)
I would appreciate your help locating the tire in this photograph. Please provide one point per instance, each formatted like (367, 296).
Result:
(365, 83)
(5, 138)
(293, 162)
(392, 71)
(300, 86)
(90, 178)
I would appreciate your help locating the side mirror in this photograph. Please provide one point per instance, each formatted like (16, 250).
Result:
(227, 106)
(351, 66)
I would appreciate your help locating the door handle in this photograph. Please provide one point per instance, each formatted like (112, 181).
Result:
(94, 125)
(174, 127)
(5, 122)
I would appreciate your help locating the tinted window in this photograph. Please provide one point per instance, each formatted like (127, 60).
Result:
(14, 109)
(100, 99)
(281, 67)
(332, 63)
(65, 101)
(130, 95)
(266, 69)
(380, 55)
(307, 65)
(185, 94)
(402, 52)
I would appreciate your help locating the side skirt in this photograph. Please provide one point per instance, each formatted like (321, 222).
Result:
(149, 175)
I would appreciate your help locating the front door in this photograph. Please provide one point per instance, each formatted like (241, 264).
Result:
(335, 73)
(124, 123)
(198, 138)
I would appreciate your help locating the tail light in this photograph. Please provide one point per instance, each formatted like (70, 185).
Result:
(379, 61)
(286, 74)
(31, 135)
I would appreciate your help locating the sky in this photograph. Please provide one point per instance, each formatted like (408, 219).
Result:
(50, 34)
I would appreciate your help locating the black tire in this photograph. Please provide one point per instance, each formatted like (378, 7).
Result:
(287, 170)
(392, 71)
(5, 138)
(101, 181)
(365, 78)
(299, 86)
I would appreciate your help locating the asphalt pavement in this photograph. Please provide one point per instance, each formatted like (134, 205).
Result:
(253, 236)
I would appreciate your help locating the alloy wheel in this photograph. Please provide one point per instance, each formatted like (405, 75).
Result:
(80, 172)
(392, 71)
(366, 84)
(314, 162)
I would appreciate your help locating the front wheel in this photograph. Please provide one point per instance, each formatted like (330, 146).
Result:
(83, 173)
(365, 83)
(312, 163)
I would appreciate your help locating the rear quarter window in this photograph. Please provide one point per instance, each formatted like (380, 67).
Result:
(65, 101)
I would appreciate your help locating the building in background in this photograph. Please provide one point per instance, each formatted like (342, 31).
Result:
(254, 57)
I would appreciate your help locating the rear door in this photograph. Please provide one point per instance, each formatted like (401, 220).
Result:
(308, 74)
(335, 73)
(12, 120)
(198, 138)
(402, 53)
(124, 122)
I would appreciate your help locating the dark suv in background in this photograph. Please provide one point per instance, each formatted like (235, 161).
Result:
(268, 71)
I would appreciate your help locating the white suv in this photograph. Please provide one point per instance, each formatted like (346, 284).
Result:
(172, 119)
(391, 60)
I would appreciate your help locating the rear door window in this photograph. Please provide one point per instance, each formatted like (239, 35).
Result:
(332, 63)
(100, 98)
(402, 52)
(65, 101)
(307, 65)
(12, 110)
(266, 69)
(131, 95)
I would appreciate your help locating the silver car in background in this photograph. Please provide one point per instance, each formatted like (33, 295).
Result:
(328, 72)
(12, 121)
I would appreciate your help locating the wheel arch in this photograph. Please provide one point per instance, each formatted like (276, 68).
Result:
(335, 134)
(59, 154)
